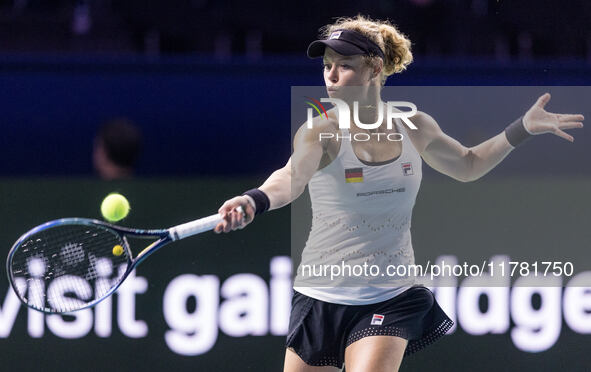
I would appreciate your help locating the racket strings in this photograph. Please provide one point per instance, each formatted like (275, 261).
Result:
(67, 267)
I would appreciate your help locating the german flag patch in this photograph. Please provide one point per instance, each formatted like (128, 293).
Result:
(353, 175)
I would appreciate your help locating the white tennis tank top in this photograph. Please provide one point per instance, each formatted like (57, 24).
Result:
(361, 216)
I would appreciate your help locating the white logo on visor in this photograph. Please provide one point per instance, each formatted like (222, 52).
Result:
(335, 35)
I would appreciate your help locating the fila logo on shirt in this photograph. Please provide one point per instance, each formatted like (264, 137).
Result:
(407, 169)
(377, 319)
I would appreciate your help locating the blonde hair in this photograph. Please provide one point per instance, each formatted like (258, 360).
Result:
(394, 44)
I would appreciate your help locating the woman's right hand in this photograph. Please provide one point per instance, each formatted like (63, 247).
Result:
(233, 219)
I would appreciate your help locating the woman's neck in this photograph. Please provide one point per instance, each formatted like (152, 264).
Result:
(368, 109)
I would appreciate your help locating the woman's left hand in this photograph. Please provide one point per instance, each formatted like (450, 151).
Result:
(538, 121)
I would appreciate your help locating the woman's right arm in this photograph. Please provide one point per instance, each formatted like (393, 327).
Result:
(285, 184)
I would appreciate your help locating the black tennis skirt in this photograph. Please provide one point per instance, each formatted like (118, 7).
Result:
(320, 331)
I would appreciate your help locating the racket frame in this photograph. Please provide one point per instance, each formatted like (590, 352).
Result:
(163, 237)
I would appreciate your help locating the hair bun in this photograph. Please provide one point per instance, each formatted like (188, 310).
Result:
(396, 49)
(395, 44)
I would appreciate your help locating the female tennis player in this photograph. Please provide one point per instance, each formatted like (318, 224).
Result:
(362, 195)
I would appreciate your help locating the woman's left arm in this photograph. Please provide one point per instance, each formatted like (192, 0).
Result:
(450, 157)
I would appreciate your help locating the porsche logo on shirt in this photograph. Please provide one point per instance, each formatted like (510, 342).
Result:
(353, 175)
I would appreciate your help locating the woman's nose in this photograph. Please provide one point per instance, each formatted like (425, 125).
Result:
(333, 75)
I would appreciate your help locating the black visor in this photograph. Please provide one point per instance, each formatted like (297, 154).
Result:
(347, 43)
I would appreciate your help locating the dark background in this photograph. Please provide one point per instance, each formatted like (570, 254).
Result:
(192, 75)
(209, 85)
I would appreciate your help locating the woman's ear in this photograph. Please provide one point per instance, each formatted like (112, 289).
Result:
(377, 67)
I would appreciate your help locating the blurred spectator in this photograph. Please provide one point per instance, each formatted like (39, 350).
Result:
(117, 147)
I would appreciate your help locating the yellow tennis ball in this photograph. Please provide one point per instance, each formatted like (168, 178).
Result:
(114, 207)
(117, 250)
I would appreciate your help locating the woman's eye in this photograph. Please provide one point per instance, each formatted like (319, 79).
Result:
(327, 67)
(346, 66)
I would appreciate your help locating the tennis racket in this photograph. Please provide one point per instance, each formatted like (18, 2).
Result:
(74, 263)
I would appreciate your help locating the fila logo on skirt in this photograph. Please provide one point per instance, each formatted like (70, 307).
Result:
(377, 319)
(353, 175)
(407, 169)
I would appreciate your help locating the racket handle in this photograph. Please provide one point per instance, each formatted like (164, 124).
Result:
(198, 226)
